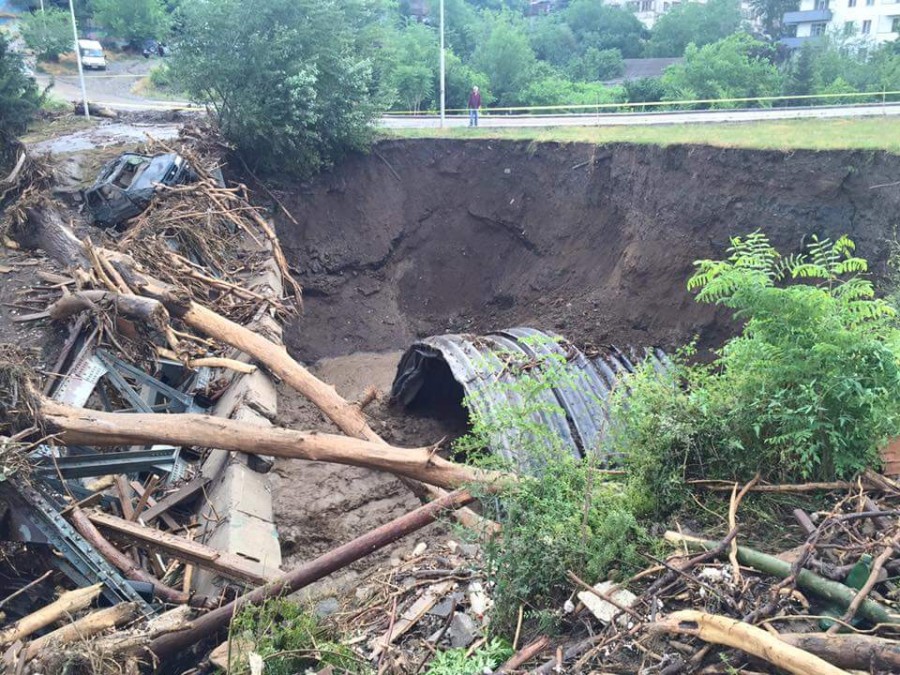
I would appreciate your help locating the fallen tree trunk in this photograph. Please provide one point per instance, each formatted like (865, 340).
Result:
(45, 228)
(209, 624)
(67, 603)
(80, 426)
(853, 652)
(85, 627)
(226, 564)
(806, 580)
(128, 567)
(136, 307)
(723, 630)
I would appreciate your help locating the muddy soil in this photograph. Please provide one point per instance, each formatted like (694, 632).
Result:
(429, 236)
(319, 506)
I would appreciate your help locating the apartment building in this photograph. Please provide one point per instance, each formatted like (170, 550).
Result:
(874, 21)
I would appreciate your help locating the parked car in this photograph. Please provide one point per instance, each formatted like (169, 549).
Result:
(92, 55)
(126, 185)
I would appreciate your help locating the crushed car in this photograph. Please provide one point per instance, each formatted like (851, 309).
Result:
(126, 185)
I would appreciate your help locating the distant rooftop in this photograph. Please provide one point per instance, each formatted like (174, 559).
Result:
(635, 69)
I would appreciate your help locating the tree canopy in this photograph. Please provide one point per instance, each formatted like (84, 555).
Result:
(48, 33)
(20, 97)
(292, 85)
(693, 23)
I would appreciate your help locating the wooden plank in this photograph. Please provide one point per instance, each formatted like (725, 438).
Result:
(125, 497)
(226, 564)
(183, 493)
(145, 495)
(165, 517)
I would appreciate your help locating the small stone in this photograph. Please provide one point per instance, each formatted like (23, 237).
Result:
(469, 550)
(479, 602)
(569, 607)
(452, 545)
(327, 607)
(462, 630)
(418, 550)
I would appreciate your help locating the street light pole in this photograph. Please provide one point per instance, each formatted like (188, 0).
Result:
(87, 114)
(443, 88)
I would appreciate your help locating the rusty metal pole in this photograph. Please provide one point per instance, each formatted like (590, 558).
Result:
(209, 624)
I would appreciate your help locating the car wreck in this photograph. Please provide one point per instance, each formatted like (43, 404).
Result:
(126, 185)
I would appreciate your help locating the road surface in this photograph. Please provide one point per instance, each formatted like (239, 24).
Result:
(631, 119)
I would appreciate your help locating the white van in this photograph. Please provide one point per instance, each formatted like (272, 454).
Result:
(92, 54)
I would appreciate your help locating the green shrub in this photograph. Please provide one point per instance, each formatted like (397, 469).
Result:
(563, 516)
(288, 639)
(807, 391)
(20, 98)
(485, 659)
(161, 77)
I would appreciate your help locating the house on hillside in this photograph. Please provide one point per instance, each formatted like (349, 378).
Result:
(875, 21)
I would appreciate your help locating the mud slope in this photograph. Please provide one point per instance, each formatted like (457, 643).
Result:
(424, 236)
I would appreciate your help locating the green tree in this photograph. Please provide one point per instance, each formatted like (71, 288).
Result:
(555, 90)
(553, 40)
(134, 20)
(415, 75)
(20, 98)
(736, 67)
(800, 74)
(48, 33)
(692, 22)
(597, 25)
(506, 58)
(291, 86)
(771, 12)
(596, 64)
(460, 80)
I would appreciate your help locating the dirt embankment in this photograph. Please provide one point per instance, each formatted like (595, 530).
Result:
(428, 236)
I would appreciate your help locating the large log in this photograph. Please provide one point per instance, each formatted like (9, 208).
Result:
(853, 652)
(85, 627)
(46, 229)
(226, 564)
(80, 426)
(67, 603)
(146, 310)
(209, 624)
(723, 630)
(128, 567)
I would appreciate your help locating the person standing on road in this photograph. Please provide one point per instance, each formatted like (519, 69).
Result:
(474, 105)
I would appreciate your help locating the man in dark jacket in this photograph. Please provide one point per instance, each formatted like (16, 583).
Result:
(474, 105)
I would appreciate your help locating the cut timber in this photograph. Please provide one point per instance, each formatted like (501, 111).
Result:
(46, 229)
(229, 565)
(135, 307)
(185, 492)
(131, 570)
(806, 580)
(207, 625)
(85, 627)
(208, 362)
(81, 426)
(67, 603)
(854, 652)
(722, 630)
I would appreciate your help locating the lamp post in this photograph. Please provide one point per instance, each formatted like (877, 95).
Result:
(87, 114)
(443, 88)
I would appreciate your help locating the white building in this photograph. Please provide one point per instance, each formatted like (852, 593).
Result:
(875, 21)
(649, 11)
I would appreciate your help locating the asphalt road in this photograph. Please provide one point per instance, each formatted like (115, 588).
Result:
(631, 119)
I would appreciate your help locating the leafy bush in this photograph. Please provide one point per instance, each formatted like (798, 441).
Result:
(290, 85)
(288, 639)
(806, 391)
(564, 516)
(20, 98)
(161, 76)
(485, 659)
(48, 33)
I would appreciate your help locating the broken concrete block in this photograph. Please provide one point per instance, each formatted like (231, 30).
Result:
(258, 463)
(255, 390)
(240, 489)
(599, 607)
(463, 630)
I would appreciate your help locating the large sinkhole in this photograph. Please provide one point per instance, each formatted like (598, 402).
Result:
(595, 243)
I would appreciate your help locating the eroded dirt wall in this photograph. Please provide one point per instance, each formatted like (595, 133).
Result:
(426, 236)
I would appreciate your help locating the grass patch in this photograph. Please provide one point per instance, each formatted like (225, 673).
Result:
(45, 129)
(871, 133)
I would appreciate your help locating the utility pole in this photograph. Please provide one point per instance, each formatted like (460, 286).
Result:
(443, 88)
(87, 114)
